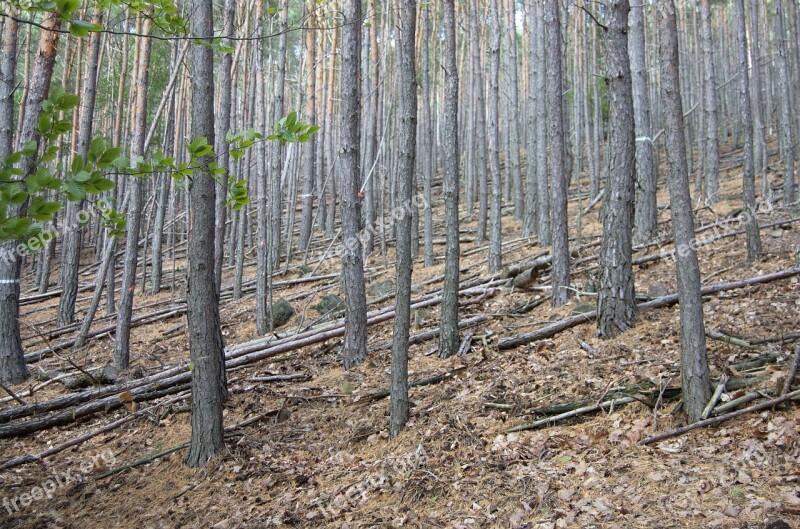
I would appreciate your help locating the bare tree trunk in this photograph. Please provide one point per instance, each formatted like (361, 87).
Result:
(427, 143)
(205, 336)
(448, 339)
(543, 225)
(495, 246)
(221, 148)
(355, 339)
(759, 140)
(310, 149)
(711, 140)
(12, 357)
(407, 145)
(276, 150)
(749, 178)
(616, 302)
(513, 104)
(645, 222)
(558, 173)
(123, 332)
(784, 106)
(694, 361)
(480, 127)
(73, 231)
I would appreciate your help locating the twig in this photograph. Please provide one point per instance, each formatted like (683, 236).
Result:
(715, 397)
(721, 418)
(13, 395)
(572, 413)
(792, 372)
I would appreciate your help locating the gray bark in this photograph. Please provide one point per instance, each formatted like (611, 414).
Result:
(479, 131)
(355, 339)
(749, 178)
(645, 221)
(757, 76)
(134, 212)
(557, 168)
(448, 339)
(786, 134)
(694, 361)
(710, 104)
(616, 302)
(428, 164)
(543, 227)
(493, 129)
(205, 335)
(407, 145)
(310, 149)
(12, 359)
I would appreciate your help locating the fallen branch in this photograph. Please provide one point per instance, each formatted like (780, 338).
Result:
(573, 413)
(721, 418)
(665, 301)
(382, 394)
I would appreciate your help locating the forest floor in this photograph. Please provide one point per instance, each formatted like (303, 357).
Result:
(322, 458)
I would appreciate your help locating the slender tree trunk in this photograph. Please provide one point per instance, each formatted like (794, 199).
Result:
(123, 332)
(495, 247)
(759, 140)
(407, 145)
(694, 361)
(205, 336)
(448, 338)
(749, 178)
(355, 338)
(310, 149)
(73, 231)
(645, 222)
(276, 149)
(543, 226)
(512, 123)
(480, 127)
(558, 173)
(710, 104)
(616, 302)
(12, 358)
(221, 148)
(785, 121)
(428, 163)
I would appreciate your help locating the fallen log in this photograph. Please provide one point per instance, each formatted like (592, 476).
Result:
(573, 413)
(177, 378)
(721, 418)
(665, 301)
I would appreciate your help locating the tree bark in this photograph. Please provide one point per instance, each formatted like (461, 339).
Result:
(784, 106)
(749, 178)
(404, 264)
(557, 168)
(355, 339)
(448, 339)
(128, 285)
(616, 301)
(710, 105)
(645, 221)
(493, 129)
(694, 361)
(205, 336)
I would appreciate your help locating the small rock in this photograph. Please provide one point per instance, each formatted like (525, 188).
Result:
(731, 511)
(657, 290)
(330, 304)
(282, 312)
(381, 288)
(583, 308)
(776, 233)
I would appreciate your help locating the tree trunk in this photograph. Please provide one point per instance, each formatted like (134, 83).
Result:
(448, 339)
(495, 246)
(310, 149)
(694, 361)
(221, 148)
(616, 302)
(784, 106)
(404, 264)
(355, 338)
(759, 140)
(480, 127)
(205, 335)
(427, 162)
(711, 140)
(123, 332)
(12, 360)
(749, 178)
(559, 178)
(645, 222)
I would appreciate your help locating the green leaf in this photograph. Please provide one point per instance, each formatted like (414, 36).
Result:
(68, 101)
(44, 123)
